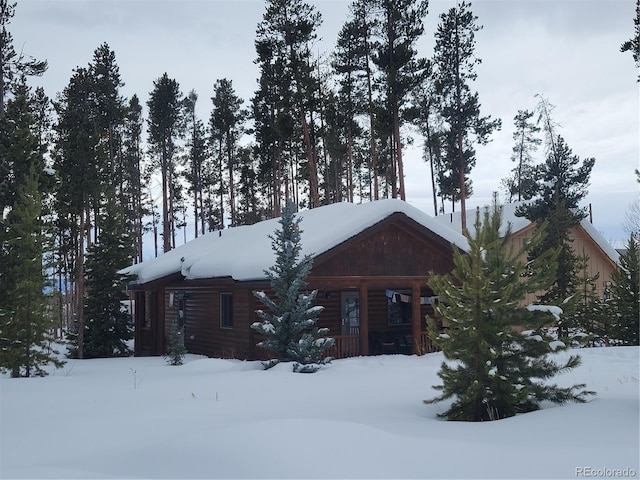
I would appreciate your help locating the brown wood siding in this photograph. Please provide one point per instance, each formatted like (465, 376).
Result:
(203, 333)
(396, 246)
(331, 316)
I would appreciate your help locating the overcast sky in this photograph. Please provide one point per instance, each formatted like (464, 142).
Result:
(567, 51)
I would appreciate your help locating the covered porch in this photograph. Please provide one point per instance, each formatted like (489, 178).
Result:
(373, 316)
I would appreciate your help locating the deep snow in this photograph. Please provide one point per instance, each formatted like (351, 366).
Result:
(355, 418)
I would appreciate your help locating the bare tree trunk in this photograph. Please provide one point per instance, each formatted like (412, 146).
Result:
(393, 180)
(349, 164)
(276, 181)
(463, 187)
(322, 139)
(2, 88)
(461, 175)
(232, 199)
(80, 281)
(430, 153)
(372, 139)
(314, 196)
(166, 233)
(396, 133)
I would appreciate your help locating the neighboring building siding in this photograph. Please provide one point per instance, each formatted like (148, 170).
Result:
(599, 262)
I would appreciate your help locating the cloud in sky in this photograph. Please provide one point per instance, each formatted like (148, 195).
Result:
(567, 51)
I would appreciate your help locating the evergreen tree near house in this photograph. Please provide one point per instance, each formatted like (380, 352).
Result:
(284, 103)
(521, 184)
(562, 184)
(107, 327)
(289, 325)
(454, 63)
(497, 370)
(165, 128)
(625, 294)
(226, 124)
(589, 320)
(176, 349)
(353, 64)
(24, 323)
(398, 30)
(197, 159)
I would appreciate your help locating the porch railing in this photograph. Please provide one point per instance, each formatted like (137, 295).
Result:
(346, 346)
(349, 346)
(425, 345)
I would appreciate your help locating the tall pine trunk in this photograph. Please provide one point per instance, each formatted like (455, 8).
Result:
(166, 233)
(372, 137)
(396, 133)
(313, 171)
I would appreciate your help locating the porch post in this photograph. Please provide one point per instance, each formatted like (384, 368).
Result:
(364, 319)
(415, 319)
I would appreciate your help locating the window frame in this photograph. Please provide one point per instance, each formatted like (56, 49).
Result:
(226, 310)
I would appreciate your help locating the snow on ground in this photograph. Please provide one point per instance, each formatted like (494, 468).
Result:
(356, 418)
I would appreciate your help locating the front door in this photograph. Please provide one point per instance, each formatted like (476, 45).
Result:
(350, 311)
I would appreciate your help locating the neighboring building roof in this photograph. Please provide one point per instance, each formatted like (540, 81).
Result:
(518, 223)
(245, 252)
(452, 220)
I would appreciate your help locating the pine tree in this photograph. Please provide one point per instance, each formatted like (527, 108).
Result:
(284, 104)
(24, 322)
(400, 28)
(176, 349)
(522, 184)
(135, 210)
(197, 148)
(250, 208)
(226, 122)
(107, 326)
(350, 60)
(625, 290)
(633, 44)
(455, 62)
(588, 317)
(353, 62)
(290, 325)
(497, 370)
(562, 184)
(13, 66)
(165, 128)
(78, 163)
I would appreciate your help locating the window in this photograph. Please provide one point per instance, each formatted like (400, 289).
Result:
(182, 311)
(226, 310)
(399, 308)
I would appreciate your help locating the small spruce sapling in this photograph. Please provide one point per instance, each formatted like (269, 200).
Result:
(176, 349)
(496, 370)
(289, 327)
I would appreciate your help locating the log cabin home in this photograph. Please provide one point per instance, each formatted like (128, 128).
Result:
(371, 265)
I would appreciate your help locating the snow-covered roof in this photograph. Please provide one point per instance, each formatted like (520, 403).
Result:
(452, 220)
(244, 252)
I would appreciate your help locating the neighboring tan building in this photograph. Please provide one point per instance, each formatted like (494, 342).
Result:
(603, 258)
